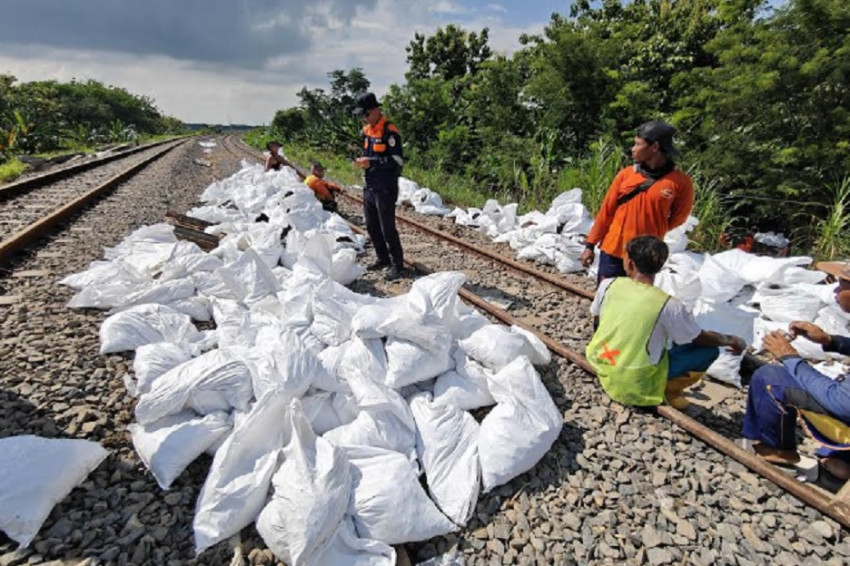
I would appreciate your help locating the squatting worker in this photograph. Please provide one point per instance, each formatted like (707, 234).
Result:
(777, 393)
(636, 321)
(275, 160)
(382, 161)
(649, 198)
(324, 190)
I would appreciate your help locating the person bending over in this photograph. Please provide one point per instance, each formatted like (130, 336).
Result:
(636, 321)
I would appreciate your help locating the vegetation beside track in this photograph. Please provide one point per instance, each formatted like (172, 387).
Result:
(757, 90)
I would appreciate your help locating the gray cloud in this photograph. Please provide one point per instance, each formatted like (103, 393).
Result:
(228, 32)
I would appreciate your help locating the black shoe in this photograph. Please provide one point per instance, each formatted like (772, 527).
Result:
(395, 273)
(378, 265)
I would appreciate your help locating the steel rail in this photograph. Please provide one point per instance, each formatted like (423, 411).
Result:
(16, 188)
(836, 506)
(26, 236)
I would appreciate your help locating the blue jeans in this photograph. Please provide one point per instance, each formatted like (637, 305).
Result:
(690, 357)
(773, 422)
(609, 266)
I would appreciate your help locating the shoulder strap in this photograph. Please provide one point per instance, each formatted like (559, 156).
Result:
(642, 188)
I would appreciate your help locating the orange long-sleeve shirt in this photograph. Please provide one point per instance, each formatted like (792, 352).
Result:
(323, 189)
(664, 206)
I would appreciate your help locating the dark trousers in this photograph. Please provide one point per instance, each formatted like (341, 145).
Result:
(690, 357)
(609, 266)
(379, 213)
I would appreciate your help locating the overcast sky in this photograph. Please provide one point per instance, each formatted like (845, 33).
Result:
(238, 61)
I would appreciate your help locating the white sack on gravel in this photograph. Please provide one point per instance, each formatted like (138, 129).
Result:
(215, 381)
(727, 368)
(36, 474)
(145, 324)
(409, 363)
(495, 346)
(104, 272)
(387, 502)
(153, 360)
(522, 426)
(447, 444)
(169, 445)
(311, 493)
(319, 408)
(238, 483)
(719, 283)
(347, 549)
(282, 362)
(782, 303)
(464, 387)
(384, 420)
(724, 318)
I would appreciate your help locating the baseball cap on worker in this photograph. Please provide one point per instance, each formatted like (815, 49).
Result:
(364, 103)
(838, 269)
(661, 132)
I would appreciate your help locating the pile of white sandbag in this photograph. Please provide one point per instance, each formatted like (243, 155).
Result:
(322, 407)
(733, 292)
(423, 200)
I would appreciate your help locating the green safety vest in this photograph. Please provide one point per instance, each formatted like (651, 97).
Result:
(619, 350)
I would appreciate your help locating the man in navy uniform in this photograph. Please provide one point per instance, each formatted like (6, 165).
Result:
(381, 162)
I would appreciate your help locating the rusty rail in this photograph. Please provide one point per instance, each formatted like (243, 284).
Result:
(23, 238)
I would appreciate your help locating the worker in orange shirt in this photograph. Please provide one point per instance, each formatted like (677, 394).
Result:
(650, 198)
(325, 190)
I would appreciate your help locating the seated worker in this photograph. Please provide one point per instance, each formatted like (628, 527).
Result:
(325, 190)
(636, 322)
(275, 160)
(777, 393)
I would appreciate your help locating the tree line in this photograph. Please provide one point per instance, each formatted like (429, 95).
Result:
(759, 95)
(42, 116)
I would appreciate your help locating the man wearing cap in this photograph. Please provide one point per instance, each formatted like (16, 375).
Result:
(381, 162)
(649, 198)
(324, 190)
(777, 392)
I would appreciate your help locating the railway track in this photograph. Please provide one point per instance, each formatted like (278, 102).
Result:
(29, 209)
(561, 337)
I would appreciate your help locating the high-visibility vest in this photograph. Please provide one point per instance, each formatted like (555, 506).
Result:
(619, 350)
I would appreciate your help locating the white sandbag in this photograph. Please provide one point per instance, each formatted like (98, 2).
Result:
(185, 265)
(727, 368)
(785, 304)
(496, 346)
(145, 324)
(387, 502)
(355, 359)
(724, 318)
(438, 293)
(465, 387)
(153, 360)
(238, 483)
(447, 444)
(522, 426)
(36, 474)
(677, 238)
(398, 317)
(754, 268)
(537, 351)
(333, 308)
(169, 445)
(344, 267)
(104, 272)
(249, 277)
(718, 282)
(282, 362)
(347, 549)
(409, 363)
(806, 348)
(319, 408)
(311, 493)
(214, 381)
(384, 420)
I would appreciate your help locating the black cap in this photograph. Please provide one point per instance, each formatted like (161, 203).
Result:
(661, 132)
(364, 103)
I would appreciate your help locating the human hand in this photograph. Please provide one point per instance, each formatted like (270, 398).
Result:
(779, 346)
(736, 344)
(811, 331)
(361, 162)
(587, 256)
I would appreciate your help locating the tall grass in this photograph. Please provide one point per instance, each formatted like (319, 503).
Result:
(11, 170)
(714, 211)
(831, 236)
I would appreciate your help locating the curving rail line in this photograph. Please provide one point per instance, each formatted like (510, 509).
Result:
(836, 506)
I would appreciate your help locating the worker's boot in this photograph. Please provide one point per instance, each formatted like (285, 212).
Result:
(674, 393)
